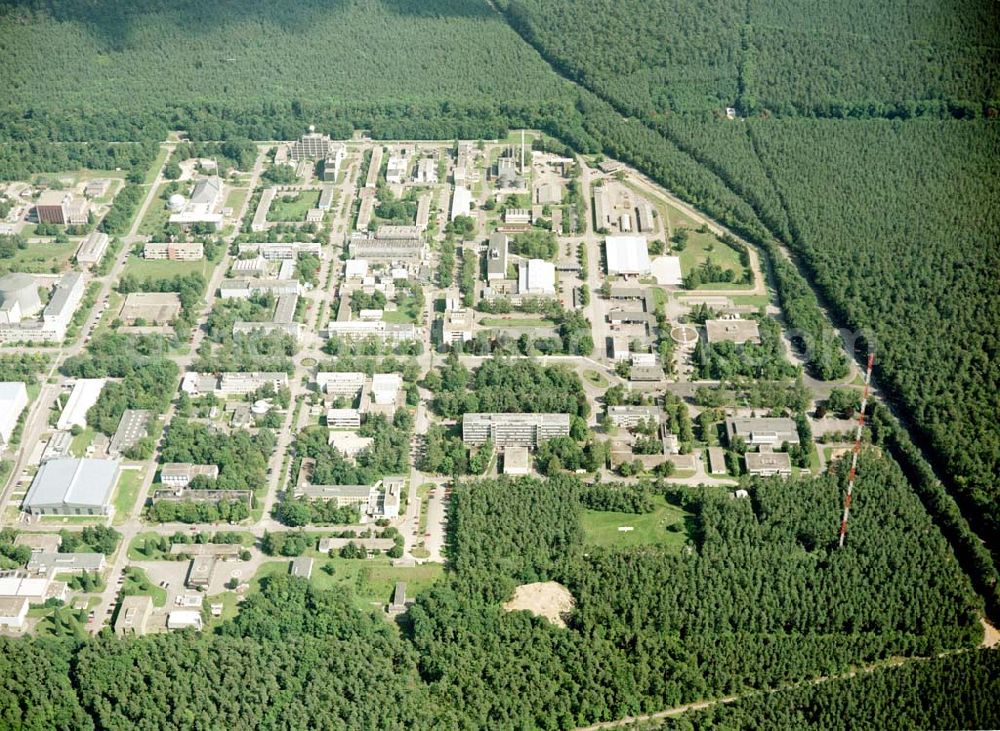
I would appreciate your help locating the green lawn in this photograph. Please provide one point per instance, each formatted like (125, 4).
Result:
(125, 497)
(754, 300)
(596, 378)
(371, 581)
(236, 198)
(137, 582)
(78, 445)
(40, 258)
(165, 268)
(601, 528)
(156, 215)
(161, 158)
(292, 207)
(701, 246)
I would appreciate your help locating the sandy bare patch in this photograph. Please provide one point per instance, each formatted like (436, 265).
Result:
(548, 599)
(991, 637)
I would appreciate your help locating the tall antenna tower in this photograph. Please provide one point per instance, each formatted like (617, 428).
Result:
(522, 152)
(857, 450)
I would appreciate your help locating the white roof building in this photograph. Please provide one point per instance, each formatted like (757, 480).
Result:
(356, 268)
(627, 255)
(537, 277)
(72, 487)
(385, 386)
(183, 619)
(84, 395)
(13, 400)
(461, 202)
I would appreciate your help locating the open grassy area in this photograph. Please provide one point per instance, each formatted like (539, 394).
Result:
(137, 582)
(292, 207)
(161, 268)
(78, 445)
(596, 378)
(40, 258)
(126, 494)
(370, 581)
(156, 215)
(662, 527)
(702, 246)
(161, 157)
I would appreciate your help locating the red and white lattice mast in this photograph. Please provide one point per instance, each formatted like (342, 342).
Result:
(857, 450)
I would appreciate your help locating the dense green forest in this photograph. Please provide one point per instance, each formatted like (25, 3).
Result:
(759, 596)
(903, 698)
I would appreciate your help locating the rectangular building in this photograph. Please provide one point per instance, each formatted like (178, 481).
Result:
(92, 248)
(232, 383)
(43, 562)
(513, 430)
(381, 330)
(343, 418)
(763, 431)
(732, 331)
(72, 487)
(768, 464)
(630, 416)
(346, 383)
(85, 393)
(13, 400)
(627, 255)
(365, 246)
(461, 202)
(133, 614)
(175, 251)
(178, 475)
(496, 256)
(717, 461)
(133, 426)
(280, 251)
(158, 308)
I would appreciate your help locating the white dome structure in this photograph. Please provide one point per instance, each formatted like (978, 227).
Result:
(260, 407)
(176, 202)
(18, 297)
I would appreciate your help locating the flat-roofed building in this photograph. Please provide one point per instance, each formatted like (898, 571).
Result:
(549, 193)
(389, 332)
(244, 383)
(398, 603)
(537, 277)
(97, 187)
(60, 207)
(133, 615)
(85, 393)
(516, 461)
(496, 256)
(732, 331)
(281, 251)
(461, 202)
(72, 487)
(200, 571)
(314, 146)
(133, 426)
(39, 542)
(343, 418)
(365, 246)
(334, 157)
(644, 217)
(159, 308)
(13, 611)
(347, 383)
(349, 443)
(717, 461)
(13, 400)
(92, 248)
(206, 200)
(646, 374)
(247, 288)
(392, 495)
(602, 209)
(174, 251)
(513, 430)
(426, 171)
(184, 619)
(44, 562)
(627, 255)
(620, 350)
(456, 326)
(768, 431)
(341, 495)
(178, 475)
(386, 387)
(768, 464)
(301, 567)
(631, 416)
(259, 222)
(355, 269)
(396, 169)
(517, 217)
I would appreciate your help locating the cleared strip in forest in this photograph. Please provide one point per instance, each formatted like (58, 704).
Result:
(700, 705)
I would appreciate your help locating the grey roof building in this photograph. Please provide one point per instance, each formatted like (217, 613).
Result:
(302, 567)
(760, 430)
(72, 487)
(65, 563)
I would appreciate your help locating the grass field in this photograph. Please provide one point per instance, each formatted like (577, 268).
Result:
(78, 445)
(601, 528)
(40, 258)
(596, 378)
(292, 207)
(156, 215)
(160, 268)
(137, 582)
(126, 494)
(161, 157)
(703, 246)
(370, 581)
(236, 198)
